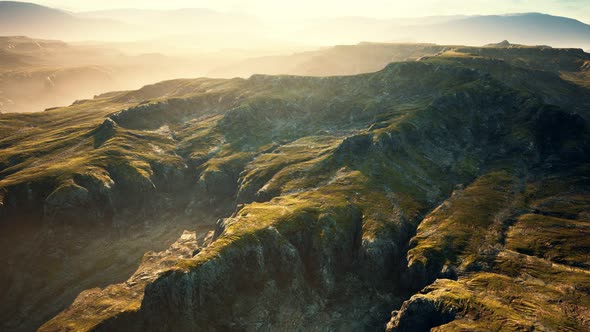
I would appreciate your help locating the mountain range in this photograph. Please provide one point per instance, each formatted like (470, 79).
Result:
(39, 74)
(28, 19)
(205, 28)
(449, 192)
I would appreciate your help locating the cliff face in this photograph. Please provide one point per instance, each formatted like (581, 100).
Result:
(338, 198)
(513, 261)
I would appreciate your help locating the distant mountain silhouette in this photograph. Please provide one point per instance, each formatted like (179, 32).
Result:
(13, 11)
(23, 18)
(527, 28)
(206, 28)
(169, 28)
(524, 28)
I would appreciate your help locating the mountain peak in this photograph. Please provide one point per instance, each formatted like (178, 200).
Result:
(12, 11)
(18, 5)
(503, 43)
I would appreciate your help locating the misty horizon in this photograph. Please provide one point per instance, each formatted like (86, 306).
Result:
(330, 9)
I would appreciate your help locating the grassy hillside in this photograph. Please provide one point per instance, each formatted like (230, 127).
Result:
(371, 187)
(533, 68)
(518, 265)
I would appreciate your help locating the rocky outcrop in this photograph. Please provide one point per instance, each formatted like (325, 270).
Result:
(67, 202)
(424, 311)
(470, 238)
(104, 132)
(248, 285)
(173, 110)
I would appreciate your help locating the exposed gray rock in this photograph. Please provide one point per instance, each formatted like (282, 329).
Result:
(67, 203)
(419, 314)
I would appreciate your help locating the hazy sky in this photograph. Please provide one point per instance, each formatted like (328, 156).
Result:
(579, 9)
